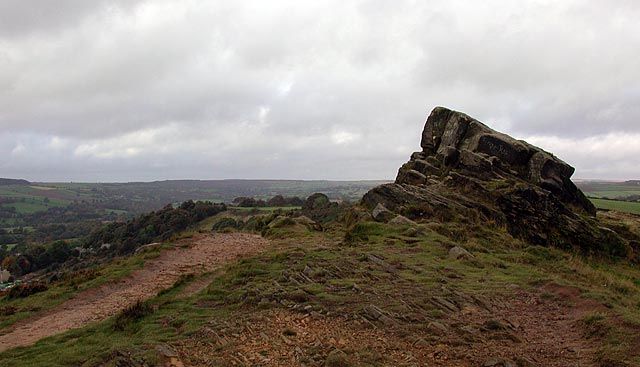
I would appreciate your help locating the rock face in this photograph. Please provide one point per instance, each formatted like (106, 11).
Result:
(466, 169)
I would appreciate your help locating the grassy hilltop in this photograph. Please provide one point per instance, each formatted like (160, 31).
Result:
(341, 289)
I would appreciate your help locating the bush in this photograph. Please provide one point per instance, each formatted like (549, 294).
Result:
(8, 310)
(256, 223)
(282, 222)
(225, 223)
(25, 290)
(152, 227)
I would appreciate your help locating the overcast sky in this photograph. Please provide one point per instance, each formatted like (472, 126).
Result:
(146, 90)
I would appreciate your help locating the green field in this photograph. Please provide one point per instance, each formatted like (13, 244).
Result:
(610, 190)
(622, 206)
(32, 205)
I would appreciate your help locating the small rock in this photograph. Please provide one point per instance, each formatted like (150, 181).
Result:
(386, 320)
(381, 214)
(150, 246)
(411, 232)
(336, 358)
(401, 220)
(376, 260)
(494, 325)
(524, 362)
(468, 329)
(506, 336)
(165, 350)
(307, 271)
(498, 363)
(444, 304)
(372, 312)
(458, 252)
(437, 328)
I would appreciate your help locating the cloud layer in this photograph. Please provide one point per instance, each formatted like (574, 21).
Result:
(143, 90)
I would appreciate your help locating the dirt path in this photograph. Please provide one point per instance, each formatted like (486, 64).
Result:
(202, 253)
(527, 331)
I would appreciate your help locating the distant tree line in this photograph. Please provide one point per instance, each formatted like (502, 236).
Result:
(13, 181)
(276, 201)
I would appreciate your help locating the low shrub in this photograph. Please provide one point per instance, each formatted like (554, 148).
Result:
(8, 310)
(225, 223)
(25, 290)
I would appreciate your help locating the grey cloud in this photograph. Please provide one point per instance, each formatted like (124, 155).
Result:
(20, 18)
(338, 89)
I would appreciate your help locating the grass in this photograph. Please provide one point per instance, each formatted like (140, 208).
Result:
(131, 314)
(609, 190)
(29, 204)
(623, 206)
(391, 265)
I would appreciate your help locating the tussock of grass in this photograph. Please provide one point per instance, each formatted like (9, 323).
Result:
(131, 314)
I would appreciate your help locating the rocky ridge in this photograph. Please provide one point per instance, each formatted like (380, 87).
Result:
(469, 172)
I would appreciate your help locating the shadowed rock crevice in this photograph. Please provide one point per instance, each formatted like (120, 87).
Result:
(469, 171)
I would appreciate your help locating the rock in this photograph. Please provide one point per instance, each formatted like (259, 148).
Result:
(303, 219)
(444, 304)
(169, 355)
(402, 221)
(5, 275)
(458, 252)
(381, 214)
(494, 325)
(308, 222)
(524, 362)
(374, 313)
(165, 351)
(466, 169)
(506, 336)
(337, 358)
(411, 232)
(498, 363)
(376, 260)
(150, 246)
(413, 177)
(307, 271)
(437, 328)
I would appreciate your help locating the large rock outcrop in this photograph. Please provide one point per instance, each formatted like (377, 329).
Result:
(469, 171)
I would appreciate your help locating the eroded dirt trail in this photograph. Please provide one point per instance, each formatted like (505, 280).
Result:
(521, 330)
(202, 253)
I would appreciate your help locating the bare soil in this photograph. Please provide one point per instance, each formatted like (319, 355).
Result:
(201, 254)
(525, 329)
